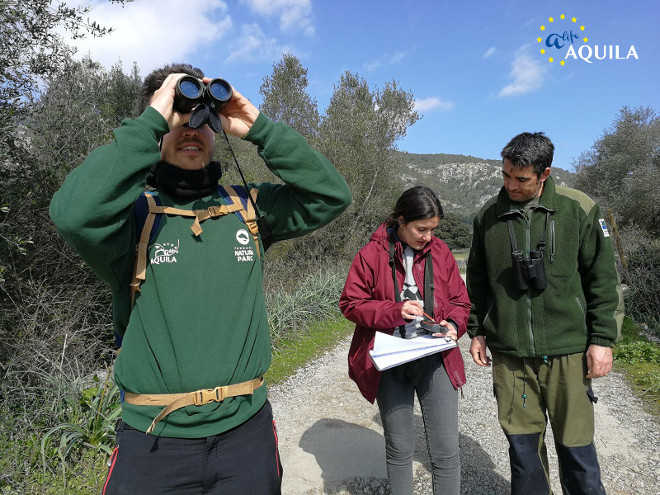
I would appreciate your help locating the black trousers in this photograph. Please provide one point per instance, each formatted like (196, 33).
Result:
(244, 460)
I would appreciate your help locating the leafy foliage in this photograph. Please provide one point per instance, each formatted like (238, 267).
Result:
(315, 298)
(90, 418)
(639, 358)
(641, 272)
(55, 322)
(285, 97)
(637, 352)
(621, 172)
(359, 134)
(454, 232)
(623, 166)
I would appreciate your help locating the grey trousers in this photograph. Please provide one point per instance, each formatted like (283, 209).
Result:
(439, 404)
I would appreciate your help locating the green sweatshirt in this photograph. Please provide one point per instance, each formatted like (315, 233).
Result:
(200, 318)
(582, 303)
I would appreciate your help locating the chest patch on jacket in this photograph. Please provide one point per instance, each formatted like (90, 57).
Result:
(165, 253)
(243, 251)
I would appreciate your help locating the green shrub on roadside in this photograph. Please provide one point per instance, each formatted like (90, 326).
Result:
(639, 359)
(90, 418)
(637, 352)
(642, 275)
(316, 298)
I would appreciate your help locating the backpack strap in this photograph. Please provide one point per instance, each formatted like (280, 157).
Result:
(154, 209)
(139, 274)
(246, 211)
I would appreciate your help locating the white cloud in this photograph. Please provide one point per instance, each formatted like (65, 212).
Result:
(294, 15)
(433, 103)
(154, 32)
(385, 60)
(490, 52)
(527, 72)
(253, 44)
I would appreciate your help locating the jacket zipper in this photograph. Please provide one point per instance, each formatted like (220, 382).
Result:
(552, 241)
(528, 227)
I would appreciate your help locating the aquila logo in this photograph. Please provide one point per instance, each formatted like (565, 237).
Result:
(563, 40)
(165, 253)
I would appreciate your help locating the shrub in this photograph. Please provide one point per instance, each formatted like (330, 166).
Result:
(637, 352)
(642, 275)
(90, 416)
(315, 298)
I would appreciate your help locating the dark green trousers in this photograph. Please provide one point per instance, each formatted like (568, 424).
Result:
(530, 391)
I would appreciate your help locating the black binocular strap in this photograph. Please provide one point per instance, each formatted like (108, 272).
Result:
(541, 244)
(264, 229)
(429, 286)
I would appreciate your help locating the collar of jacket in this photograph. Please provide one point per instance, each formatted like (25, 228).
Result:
(548, 201)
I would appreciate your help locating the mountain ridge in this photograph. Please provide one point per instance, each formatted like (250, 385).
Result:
(463, 182)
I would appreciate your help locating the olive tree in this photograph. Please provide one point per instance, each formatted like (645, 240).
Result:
(285, 97)
(359, 134)
(621, 172)
(623, 166)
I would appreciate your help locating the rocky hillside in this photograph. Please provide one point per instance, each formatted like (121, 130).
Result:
(464, 183)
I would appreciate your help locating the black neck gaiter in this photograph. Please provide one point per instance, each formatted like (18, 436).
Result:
(184, 185)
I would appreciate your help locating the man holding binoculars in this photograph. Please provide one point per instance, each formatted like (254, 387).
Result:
(546, 301)
(188, 302)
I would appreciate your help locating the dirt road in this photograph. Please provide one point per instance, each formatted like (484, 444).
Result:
(331, 439)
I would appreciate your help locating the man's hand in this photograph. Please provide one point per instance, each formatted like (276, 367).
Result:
(478, 351)
(163, 100)
(599, 361)
(238, 114)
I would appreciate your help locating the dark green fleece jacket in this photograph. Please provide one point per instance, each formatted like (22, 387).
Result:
(582, 303)
(200, 319)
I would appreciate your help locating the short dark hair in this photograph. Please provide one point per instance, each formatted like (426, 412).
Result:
(530, 149)
(155, 80)
(416, 203)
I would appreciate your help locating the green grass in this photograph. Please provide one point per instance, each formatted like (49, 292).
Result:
(461, 254)
(639, 360)
(293, 353)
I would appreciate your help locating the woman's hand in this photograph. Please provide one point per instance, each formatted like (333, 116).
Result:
(411, 309)
(451, 332)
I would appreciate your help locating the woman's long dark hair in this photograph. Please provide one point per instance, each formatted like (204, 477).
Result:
(416, 203)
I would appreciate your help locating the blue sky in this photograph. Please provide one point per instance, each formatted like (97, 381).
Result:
(474, 66)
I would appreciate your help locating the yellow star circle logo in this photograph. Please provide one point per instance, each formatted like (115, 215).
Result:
(559, 35)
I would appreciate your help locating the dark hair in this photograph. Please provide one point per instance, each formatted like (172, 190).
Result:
(155, 80)
(530, 149)
(416, 203)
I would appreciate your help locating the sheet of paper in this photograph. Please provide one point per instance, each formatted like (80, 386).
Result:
(390, 351)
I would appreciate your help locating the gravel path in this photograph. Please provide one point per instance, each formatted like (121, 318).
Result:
(331, 439)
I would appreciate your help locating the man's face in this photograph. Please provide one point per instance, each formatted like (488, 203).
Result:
(522, 183)
(187, 148)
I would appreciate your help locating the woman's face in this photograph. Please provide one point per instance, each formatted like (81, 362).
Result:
(417, 233)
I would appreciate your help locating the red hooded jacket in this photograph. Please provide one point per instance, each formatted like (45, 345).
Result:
(368, 301)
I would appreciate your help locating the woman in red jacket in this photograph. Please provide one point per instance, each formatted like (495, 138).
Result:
(405, 245)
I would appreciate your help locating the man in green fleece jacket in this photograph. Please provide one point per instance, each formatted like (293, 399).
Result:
(195, 339)
(546, 301)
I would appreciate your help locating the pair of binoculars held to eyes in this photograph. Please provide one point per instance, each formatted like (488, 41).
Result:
(203, 100)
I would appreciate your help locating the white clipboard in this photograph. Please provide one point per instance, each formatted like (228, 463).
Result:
(390, 351)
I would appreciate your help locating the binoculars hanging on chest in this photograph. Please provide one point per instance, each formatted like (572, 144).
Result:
(529, 272)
